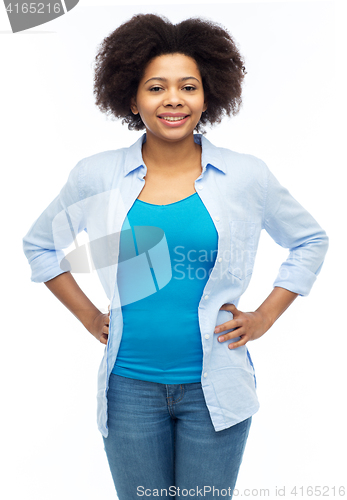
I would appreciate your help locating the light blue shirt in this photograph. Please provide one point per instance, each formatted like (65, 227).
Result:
(242, 197)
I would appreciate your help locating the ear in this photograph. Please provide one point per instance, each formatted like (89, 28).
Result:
(133, 106)
(205, 106)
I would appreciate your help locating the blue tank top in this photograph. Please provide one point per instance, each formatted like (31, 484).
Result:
(161, 340)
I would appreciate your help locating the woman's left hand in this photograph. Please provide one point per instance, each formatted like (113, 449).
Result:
(249, 326)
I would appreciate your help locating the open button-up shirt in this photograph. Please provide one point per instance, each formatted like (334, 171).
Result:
(242, 197)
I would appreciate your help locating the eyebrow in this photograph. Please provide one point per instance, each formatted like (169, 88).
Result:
(165, 79)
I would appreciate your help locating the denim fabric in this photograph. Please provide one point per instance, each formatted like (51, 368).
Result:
(242, 197)
(161, 442)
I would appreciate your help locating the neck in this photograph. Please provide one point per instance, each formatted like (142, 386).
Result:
(171, 157)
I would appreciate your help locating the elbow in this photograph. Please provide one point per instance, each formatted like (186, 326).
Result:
(310, 253)
(323, 244)
(324, 248)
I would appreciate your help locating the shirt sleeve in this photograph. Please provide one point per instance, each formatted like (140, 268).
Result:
(291, 226)
(55, 229)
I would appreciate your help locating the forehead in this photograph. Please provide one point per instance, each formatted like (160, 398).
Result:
(171, 66)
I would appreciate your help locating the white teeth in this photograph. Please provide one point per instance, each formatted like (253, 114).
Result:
(173, 118)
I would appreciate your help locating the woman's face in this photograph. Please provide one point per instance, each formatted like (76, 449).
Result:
(170, 97)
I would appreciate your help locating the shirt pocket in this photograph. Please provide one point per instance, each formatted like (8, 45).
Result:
(242, 248)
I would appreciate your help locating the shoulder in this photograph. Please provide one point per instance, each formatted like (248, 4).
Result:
(236, 165)
(99, 171)
(114, 162)
(103, 160)
(235, 159)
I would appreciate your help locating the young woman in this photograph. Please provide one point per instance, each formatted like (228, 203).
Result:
(174, 223)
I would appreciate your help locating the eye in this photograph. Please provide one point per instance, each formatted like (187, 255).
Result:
(155, 89)
(189, 88)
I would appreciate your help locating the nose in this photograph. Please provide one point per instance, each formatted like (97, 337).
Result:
(173, 98)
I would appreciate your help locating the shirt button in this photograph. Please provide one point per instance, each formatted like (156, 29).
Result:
(207, 336)
(206, 297)
(205, 374)
(200, 186)
(220, 259)
(217, 218)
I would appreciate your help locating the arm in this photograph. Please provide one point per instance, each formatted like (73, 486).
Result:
(53, 231)
(291, 226)
(65, 288)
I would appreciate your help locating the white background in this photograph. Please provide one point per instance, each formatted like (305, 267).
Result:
(293, 117)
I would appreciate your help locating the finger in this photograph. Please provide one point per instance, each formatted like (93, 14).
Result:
(229, 307)
(233, 323)
(239, 343)
(103, 338)
(238, 332)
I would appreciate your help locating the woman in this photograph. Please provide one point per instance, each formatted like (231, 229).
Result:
(174, 223)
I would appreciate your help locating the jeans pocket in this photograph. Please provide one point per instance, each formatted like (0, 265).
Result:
(243, 248)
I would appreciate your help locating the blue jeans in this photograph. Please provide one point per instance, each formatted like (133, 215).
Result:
(162, 443)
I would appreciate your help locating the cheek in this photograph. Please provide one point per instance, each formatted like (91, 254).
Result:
(148, 117)
(148, 108)
(199, 104)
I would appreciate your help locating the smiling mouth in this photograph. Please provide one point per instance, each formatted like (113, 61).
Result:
(173, 118)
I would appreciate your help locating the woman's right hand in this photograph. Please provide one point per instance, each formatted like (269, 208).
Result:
(100, 327)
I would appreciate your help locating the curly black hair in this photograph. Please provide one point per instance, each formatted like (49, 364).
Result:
(123, 56)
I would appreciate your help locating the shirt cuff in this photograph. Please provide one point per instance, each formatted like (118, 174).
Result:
(295, 279)
(46, 266)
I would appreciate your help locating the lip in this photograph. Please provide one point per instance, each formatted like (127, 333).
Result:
(176, 123)
(162, 115)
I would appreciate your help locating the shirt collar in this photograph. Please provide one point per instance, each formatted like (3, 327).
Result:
(211, 155)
